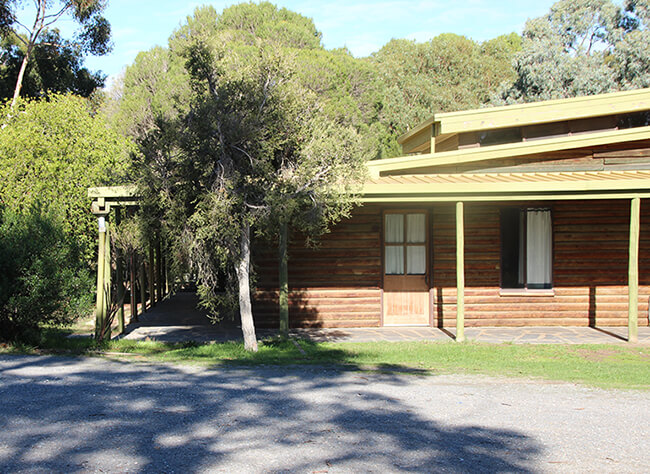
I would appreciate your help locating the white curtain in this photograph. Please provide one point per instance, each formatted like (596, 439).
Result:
(394, 233)
(394, 228)
(394, 260)
(538, 248)
(415, 228)
(416, 260)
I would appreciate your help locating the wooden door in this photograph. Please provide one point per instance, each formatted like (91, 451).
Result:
(406, 257)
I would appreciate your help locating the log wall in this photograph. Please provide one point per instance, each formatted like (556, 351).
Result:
(339, 283)
(590, 250)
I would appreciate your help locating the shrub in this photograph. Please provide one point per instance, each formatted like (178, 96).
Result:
(43, 279)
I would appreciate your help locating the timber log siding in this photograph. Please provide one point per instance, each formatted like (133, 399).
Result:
(589, 272)
(339, 284)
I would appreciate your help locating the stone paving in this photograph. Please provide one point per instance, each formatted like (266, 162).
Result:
(177, 319)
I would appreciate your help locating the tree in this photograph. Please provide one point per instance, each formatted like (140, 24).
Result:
(56, 66)
(52, 151)
(581, 47)
(245, 149)
(93, 36)
(448, 73)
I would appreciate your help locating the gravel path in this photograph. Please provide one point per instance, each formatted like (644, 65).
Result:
(81, 415)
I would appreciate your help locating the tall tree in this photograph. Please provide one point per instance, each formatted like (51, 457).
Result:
(582, 47)
(449, 72)
(246, 148)
(92, 37)
(56, 67)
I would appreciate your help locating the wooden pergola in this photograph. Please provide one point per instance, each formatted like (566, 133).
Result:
(109, 205)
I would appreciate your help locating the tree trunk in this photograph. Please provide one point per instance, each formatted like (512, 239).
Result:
(243, 273)
(19, 81)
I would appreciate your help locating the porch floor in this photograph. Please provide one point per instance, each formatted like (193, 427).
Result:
(177, 319)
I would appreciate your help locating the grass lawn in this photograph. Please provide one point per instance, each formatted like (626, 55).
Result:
(606, 366)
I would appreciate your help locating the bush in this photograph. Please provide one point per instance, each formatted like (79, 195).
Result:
(43, 280)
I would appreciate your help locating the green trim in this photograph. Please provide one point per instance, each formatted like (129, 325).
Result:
(509, 150)
(502, 197)
(536, 112)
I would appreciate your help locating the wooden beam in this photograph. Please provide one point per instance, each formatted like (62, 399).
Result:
(132, 284)
(460, 273)
(283, 278)
(103, 282)
(159, 277)
(128, 191)
(485, 197)
(633, 272)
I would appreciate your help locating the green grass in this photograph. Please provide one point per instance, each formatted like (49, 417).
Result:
(606, 366)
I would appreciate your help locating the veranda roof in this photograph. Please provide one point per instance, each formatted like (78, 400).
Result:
(508, 186)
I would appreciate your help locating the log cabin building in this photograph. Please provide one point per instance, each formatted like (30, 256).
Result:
(523, 215)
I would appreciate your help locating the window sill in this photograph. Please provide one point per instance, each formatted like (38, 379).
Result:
(526, 292)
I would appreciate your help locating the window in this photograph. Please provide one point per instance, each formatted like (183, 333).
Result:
(405, 244)
(526, 248)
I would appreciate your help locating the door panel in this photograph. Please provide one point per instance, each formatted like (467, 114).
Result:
(406, 289)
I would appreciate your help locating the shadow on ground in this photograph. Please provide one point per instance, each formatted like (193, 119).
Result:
(87, 414)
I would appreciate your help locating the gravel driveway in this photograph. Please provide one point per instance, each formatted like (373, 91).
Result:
(78, 415)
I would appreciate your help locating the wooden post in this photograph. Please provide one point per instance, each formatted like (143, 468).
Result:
(119, 274)
(100, 308)
(460, 273)
(152, 278)
(166, 268)
(103, 281)
(633, 272)
(283, 280)
(159, 284)
(133, 301)
(143, 288)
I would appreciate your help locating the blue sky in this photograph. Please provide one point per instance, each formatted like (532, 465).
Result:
(363, 26)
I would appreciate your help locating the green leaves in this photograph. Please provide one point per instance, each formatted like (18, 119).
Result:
(582, 47)
(42, 278)
(52, 151)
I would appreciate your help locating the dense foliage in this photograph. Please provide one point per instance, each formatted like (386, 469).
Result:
(53, 151)
(56, 66)
(246, 147)
(582, 47)
(43, 279)
(92, 36)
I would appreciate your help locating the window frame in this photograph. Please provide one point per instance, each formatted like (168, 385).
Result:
(405, 244)
(514, 290)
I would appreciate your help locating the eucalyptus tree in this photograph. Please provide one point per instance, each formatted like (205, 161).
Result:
(582, 47)
(56, 66)
(93, 36)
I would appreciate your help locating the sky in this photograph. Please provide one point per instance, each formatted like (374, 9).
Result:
(362, 26)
